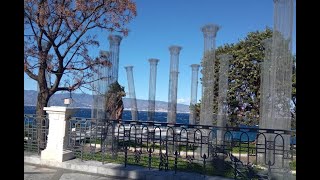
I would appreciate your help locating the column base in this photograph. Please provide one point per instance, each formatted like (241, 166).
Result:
(55, 156)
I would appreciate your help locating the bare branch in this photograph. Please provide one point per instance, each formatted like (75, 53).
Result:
(64, 24)
(30, 74)
(31, 24)
(71, 58)
(77, 38)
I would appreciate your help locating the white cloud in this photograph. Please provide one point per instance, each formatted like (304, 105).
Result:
(183, 101)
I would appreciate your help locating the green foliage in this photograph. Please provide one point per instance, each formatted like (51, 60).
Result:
(244, 78)
(293, 165)
(244, 148)
(196, 109)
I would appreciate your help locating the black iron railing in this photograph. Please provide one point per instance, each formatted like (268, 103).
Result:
(195, 148)
(35, 132)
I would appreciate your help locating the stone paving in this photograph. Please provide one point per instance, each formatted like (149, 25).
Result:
(37, 169)
(39, 172)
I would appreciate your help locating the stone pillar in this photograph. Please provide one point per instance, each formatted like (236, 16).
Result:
(132, 93)
(173, 83)
(152, 88)
(223, 93)
(194, 89)
(206, 111)
(58, 135)
(114, 41)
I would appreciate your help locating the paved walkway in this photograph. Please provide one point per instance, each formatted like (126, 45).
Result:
(37, 169)
(40, 172)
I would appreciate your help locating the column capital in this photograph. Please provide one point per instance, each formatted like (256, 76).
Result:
(61, 110)
(210, 29)
(282, 1)
(114, 39)
(267, 43)
(195, 67)
(225, 57)
(175, 49)
(56, 109)
(128, 68)
(153, 61)
(104, 54)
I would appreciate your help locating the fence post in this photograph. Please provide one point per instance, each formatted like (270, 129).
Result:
(58, 134)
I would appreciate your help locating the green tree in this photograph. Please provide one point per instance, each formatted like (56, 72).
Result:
(244, 78)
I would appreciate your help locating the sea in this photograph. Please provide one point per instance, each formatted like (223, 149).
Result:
(182, 118)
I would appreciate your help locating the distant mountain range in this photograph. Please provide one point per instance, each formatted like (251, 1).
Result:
(85, 101)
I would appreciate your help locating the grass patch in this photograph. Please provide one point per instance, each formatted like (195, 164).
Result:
(212, 168)
(292, 165)
(132, 143)
(244, 148)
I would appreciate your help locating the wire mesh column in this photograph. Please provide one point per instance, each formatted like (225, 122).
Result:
(265, 83)
(280, 87)
(173, 83)
(264, 154)
(206, 112)
(114, 41)
(100, 87)
(152, 88)
(132, 93)
(194, 89)
(222, 97)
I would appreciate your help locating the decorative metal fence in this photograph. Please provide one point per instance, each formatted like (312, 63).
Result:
(35, 132)
(193, 148)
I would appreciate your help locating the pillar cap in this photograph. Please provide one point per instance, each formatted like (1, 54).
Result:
(104, 54)
(57, 108)
(267, 43)
(195, 65)
(175, 49)
(225, 57)
(281, 1)
(114, 39)
(210, 29)
(153, 60)
(128, 67)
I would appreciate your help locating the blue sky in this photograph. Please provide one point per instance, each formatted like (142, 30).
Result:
(162, 23)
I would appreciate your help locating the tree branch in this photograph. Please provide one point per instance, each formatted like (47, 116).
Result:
(70, 59)
(31, 75)
(77, 39)
(31, 24)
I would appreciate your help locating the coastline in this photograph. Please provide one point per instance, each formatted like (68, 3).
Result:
(125, 109)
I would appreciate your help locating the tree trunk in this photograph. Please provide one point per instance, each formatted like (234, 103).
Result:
(42, 101)
(114, 106)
